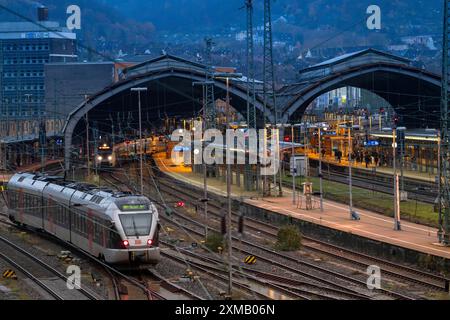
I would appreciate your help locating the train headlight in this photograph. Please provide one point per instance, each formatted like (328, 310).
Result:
(149, 242)
(110, 158)
(99, 158)
(126, 243)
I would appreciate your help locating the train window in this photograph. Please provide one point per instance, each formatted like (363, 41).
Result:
(83, 225)
(80, 229)
(99, 199)
(136, 224)
(75, 222)
(134, 207)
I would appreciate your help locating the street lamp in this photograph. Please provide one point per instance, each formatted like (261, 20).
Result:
(139, 90)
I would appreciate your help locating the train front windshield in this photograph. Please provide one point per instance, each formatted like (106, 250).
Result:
(135, 225)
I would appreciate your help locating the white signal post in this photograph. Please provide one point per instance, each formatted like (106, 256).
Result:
(397, 225)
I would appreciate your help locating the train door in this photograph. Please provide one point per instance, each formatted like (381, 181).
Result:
(21, 206)
(90, 230)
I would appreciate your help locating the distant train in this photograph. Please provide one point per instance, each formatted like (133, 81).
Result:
(104, 156)
(131, 149)
(119, 228)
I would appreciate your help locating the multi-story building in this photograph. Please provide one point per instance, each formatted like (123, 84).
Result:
(68, 84)
(25, 47)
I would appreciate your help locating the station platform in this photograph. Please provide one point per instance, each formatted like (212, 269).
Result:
(335, 215)
(416, 175)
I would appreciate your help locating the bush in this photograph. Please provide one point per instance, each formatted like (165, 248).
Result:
(214, 241)
(289, 239)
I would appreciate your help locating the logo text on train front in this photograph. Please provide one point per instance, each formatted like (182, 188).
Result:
(237, 147)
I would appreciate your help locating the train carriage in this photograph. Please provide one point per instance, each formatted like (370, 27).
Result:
(120, 228)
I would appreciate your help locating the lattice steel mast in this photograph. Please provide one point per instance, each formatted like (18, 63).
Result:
(444, 190)
(251, 95)
(269, 74)
(209, 88)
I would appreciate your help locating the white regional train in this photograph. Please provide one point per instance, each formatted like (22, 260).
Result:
(117, 227)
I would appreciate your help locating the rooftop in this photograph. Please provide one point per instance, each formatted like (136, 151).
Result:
(353, 55)
(42, 26)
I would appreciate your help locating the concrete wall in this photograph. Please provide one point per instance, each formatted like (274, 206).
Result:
(351, 241)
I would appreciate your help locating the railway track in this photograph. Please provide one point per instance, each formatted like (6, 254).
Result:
(202, 268)
(313, 292)
(432, 281)
(116, 276)
(217, 272)
(271, 257)
(172, 287)
(287, 263)
(417, 190)
(394, 271)
(45, 276)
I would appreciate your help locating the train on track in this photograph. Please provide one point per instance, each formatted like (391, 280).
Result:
(118, 227)
(104, 156)
(131, 149)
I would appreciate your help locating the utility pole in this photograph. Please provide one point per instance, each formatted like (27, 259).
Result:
(204, 84)
(209, 117)
(269, 78)
(251, 95)
(230, 248)
(87, 146)
(209, 87)
(95, 134)
(120, 126)
(320, 169)
(444, 195)
(113, 139)
(294, 168)
(251, 92)
(141, 159)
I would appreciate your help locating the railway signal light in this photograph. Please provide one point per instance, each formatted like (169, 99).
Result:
(180, 204)
(223, 225)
